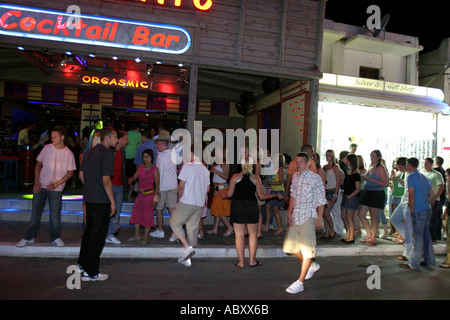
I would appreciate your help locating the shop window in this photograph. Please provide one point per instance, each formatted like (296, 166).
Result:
(370, 73)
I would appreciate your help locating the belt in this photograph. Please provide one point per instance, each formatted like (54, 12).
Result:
(221, 186)
(330, 190)
(150, 191)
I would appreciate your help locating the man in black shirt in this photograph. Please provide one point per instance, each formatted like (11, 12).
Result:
(436, 221)
(96, 171)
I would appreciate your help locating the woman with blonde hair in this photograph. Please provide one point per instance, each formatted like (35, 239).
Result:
(244, 210)
(332, 187)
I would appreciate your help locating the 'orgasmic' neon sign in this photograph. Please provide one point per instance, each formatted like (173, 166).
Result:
(45, 24)
(114, 82)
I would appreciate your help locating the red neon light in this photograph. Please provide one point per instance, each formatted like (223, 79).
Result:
(197, 3)
(51, 25)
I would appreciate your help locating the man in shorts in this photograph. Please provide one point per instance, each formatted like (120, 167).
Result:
(168, 185)
(304, 216)
(185, 220)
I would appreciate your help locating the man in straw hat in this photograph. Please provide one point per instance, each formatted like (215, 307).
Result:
(168, 185)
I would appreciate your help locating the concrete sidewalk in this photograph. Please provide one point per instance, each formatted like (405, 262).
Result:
(15, 212)
(211, 246)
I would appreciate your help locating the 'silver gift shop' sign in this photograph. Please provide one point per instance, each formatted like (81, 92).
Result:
(46, 24)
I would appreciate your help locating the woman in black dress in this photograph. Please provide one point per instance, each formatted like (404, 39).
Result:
(245, 211)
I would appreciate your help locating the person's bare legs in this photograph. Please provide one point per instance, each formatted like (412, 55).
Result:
(239, 231)
(350, 224)
(306, 263)
(137, 235)
(268, 209)
(362, 216)
(278, 220)
(159, 219)
(374, 221)
(252, 242)
(328, 221)
(227, 224)
(259, 222)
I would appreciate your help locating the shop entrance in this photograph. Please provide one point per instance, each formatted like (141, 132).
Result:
(394, 132)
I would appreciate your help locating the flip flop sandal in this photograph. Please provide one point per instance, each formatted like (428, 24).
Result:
(258, 264)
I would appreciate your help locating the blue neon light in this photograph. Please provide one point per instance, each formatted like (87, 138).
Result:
(123, 34)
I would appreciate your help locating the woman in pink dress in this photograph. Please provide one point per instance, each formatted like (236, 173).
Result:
(148, 188)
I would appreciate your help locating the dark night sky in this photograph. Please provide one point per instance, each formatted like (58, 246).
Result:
(428, 20)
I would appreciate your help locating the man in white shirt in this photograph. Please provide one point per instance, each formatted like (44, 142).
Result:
(54, 166)
(192, 190)
(168, 185)
(304, 216)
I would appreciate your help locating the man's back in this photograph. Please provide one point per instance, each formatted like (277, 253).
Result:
(422, 186)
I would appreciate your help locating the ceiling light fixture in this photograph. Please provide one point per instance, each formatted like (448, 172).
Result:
(63, 62)
(137, 59)
(149, 69)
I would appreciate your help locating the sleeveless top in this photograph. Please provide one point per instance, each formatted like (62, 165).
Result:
(216, 178)
(370, 185)
(397, 189)
(276, 187)
(244, 189)
(330, 177)
(146, 177)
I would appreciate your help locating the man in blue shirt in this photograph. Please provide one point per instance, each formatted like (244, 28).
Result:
(420, 195)
(147, 143)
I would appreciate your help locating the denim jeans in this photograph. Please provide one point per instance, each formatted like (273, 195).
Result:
(421, 240)
(402, 222)
(55, 205)
(435, 220)
(118, 198)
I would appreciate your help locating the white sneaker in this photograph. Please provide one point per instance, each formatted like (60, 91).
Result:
(99, 277)
(312, 268)
(186, 263)
(295, 287)
(187, 254)
(22, 243)
(58, 242)
(157, 234)
(80, 269)
(173, 238)
(112, 240)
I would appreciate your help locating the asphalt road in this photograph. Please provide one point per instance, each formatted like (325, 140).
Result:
(217, 281)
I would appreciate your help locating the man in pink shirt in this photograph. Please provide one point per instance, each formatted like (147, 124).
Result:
(54, 166)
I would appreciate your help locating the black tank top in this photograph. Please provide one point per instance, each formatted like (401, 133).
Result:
(245, 189)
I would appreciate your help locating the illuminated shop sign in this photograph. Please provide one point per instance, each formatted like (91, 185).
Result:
(92, 30)
(202, 5)
(114, 82)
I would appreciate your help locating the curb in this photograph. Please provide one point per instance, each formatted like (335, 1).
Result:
(49, 251)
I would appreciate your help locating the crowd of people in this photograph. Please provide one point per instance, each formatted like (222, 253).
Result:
(336, 198)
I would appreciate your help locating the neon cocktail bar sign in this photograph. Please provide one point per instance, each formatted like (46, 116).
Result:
(45, 24)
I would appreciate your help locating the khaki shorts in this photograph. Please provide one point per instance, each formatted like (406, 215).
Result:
(301, 239)
(169, 198)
